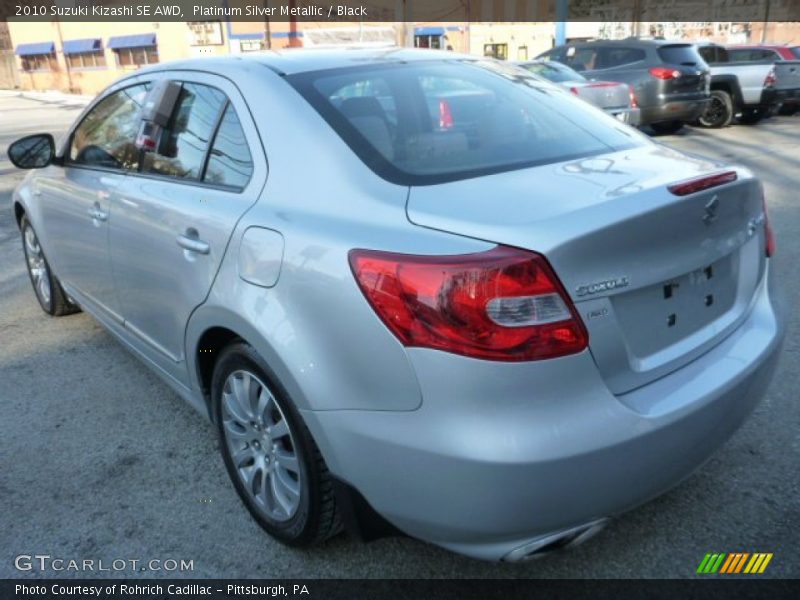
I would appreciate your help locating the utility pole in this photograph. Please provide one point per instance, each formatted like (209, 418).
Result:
(267, 31)
(562, 13)
(66, 60)
(766, 20)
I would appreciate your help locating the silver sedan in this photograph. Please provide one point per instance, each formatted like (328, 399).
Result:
(415, 292)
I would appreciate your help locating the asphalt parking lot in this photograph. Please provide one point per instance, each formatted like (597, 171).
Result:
(100, 460)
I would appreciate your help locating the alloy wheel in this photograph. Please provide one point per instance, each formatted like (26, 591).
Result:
(37, 266)
(261, 446)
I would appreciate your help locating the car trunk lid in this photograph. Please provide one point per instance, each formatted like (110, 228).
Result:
(656, 280)
(604, 94)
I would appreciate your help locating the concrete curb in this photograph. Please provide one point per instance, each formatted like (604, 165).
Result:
(49, 97)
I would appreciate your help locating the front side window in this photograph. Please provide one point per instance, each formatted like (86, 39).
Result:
(428, 122)
(183, 145)
(107, 135)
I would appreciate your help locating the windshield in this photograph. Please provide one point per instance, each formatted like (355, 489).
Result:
(553, 71)
(432, 121)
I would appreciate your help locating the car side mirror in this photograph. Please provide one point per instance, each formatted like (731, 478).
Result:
(33, 152)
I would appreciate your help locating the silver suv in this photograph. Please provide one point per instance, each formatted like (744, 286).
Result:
(413, 291)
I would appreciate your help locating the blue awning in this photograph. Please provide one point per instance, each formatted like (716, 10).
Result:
(78, 46)
(429, 31)
(132, 41)
(35, 48)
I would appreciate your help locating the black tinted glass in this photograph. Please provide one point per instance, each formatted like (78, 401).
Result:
(230, 162)
(680, 54)
(439, 121)
(106, 137)
(182, 147)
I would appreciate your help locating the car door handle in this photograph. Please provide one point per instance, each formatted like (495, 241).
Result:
(193, 244)
(97, 214)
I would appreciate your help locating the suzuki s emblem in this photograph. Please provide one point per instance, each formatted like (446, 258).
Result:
(710, 214)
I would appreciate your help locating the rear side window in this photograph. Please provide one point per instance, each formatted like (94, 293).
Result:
(611, 57)
(795, 51)
(582, 59)
(106, 137)
(753, 55)
(713, 54)
(680, 54)
(433, 121)
(182, 148)
(229, 163)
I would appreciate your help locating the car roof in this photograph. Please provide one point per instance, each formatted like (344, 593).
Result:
(300, 60)
(632, 42)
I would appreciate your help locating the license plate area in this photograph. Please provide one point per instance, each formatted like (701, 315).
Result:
(662, 314)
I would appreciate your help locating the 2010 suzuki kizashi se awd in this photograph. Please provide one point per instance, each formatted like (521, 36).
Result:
(413, 290)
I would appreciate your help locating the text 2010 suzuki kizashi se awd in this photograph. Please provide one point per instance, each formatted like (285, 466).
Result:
(414, 290)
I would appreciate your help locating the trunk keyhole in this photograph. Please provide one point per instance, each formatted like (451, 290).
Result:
(709, 299)
(671, 320)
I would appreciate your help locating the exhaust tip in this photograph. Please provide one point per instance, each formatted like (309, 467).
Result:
(544, 545)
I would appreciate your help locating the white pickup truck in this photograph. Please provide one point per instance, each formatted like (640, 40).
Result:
(752, 90)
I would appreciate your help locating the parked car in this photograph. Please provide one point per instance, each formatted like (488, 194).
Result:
(615, 98)
(670, 80)
(788, 86)
(737, 88)
(492, 338)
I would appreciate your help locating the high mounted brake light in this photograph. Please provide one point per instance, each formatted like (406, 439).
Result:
(690, 186)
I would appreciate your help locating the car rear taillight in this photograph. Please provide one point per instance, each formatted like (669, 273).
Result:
(690, 186)
(770, 80)
(665, 73)
(504, 304)
(445, 115)
(574, 90)
(769, 234)
(632, 96)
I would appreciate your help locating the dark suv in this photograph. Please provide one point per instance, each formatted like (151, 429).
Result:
(670, 79)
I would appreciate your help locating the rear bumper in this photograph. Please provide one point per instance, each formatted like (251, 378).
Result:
(686, 110)
(631, 116)
(500, 456)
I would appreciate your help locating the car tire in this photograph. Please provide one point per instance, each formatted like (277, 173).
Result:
(751, 116)
(51, 296)
(667, 127)
(271, 458)
(718, 112)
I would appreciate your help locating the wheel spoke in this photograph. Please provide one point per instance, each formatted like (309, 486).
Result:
(233, 408)
(288, 461)
(279, 430)
(265, 401)
(235, 430)
(241, 456)
(281, 493)
(241, 391)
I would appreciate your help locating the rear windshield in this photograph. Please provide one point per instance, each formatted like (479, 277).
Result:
(553, 71)
(433, 121)
(680, 54)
